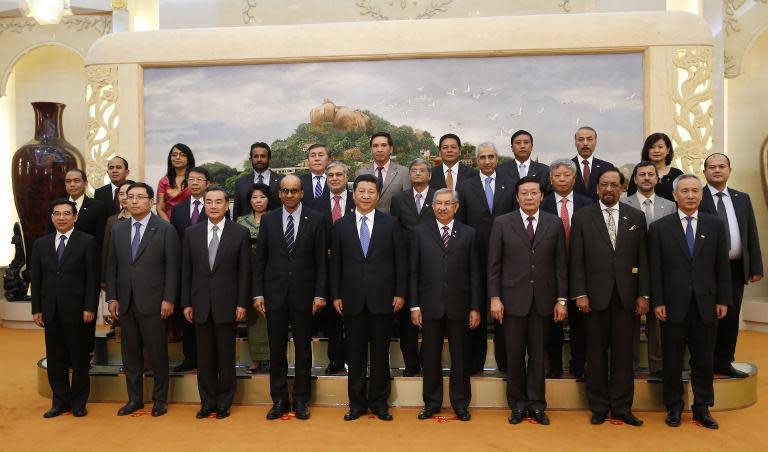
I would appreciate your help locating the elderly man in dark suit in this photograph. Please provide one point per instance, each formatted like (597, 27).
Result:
(451, 173)
(289, 287)
(483, 198)
(259, 155)
(527, 284)
(563, 202)
(215, 290)
(65, 295)
(91, 213)
(734, 208)
(589, 167)
(392, 178)
(117, 170)
(609, 279)
(522, 165)
(444, 299)
(691, 291)
(411, 208)
(368, 286)
(142, 289)
(315, 183)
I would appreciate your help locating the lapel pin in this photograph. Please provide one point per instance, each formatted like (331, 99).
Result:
(633, 227)
(703, 236)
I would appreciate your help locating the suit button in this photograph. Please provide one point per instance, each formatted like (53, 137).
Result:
(531, 281)
(290, 273)
(533, 267)
(532, 251)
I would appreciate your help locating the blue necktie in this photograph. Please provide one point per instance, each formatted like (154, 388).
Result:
(318, 188)
(489, 193)
(365, 235)
(136, 240)
(522, 171)
(689, 234)
(60, 248)
(289, 234)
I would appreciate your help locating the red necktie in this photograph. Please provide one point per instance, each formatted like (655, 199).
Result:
(585, 173)
(336, 212)
(529, 229)
(566, 220)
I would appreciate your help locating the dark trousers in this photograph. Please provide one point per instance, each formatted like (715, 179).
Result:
(216, 376)
(333, 327)
(300, 324)
(459, 388)
(576, 341)
(364, 330)
(610, 383)
(188, 341)
(700, 338)
(409, 339)
(141, 332)
(67, 344)
(728, 327)
(526, 383)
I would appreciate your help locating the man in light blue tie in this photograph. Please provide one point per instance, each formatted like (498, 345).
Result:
(522, 164)
(314, 183)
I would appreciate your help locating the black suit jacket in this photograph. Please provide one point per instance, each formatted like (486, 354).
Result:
(677, 277)
(243, 184)
(105, 195)
(549, 205)
(153, 277)
(473, 207)
(438, 177)
(68, 288)
(745, 215)
(219, 290)
(370, 281)
(181, 220)
(595, 267)
(404, 209)
(91, 219)
(538, 170)
(295, 278)
(307, 183)
(527, 276)
(444, 281)
(597, 167)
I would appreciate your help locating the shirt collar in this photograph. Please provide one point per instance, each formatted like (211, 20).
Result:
(559, 198)
(78, 201)
(641, 197)
(368, 216)
(525, 216)
(483, 177)
(296, 213)
(603, 207)
(385, 166)
(683, 215)
(144, 221)
(527, 163)
(454, 169)
(67, 234)
(192, 200)
(220, 224)
(423, 192)
(715, 191)
(342, 195)
(580, 161)
(440, 226)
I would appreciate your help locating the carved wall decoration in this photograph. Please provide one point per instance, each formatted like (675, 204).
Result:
(249, 13)
(692, 97)
(17, 25)
(424, 10)
(102, 136)
(742, 21)
(565, 5)
(102, 23)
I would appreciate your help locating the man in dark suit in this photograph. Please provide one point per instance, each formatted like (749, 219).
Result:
(65, 296)
(563, 202)
(609, 279)
(314, 183)
(588, 166)
(117, 170)
(411, 208)
(393, 178)
(444, 300)
(482, 199)
(734, 208)
(142, 288)
(691, 291)
(334, 204)
(451, 173)
(368, 286)
(260, 156)
(525, 308)
(522, 165)
(187, 214)
(289, 284)
(91, 213)
(215, 290)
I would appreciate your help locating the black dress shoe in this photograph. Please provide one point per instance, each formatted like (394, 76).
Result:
(411, 372)
(731, 371)
(204, 413)
(79, 412)
(351, 415)
(702, 416)
(159, 409)
(278, 410)
(222, 413)
(628, 418)
(129, 408)
(185, 366)
(55, 411)
(302, 411)
(598, 418)
(383, 415)
(463, 415)
(427, 413)
(673, 417)
(334, 368)
(539, 416)
(516, 417)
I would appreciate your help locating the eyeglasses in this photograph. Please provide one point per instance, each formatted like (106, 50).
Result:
(67, 213)
(196, 179)
(290, 191)
(137, 197)
(443, 203)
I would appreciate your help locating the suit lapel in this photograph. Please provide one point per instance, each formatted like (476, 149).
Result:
(519, 227)
(202, 239)
(225, 240)
(623, 227)
(702, 231)
(73, 241)
(599, 221)
(541, 231)
(427, 202)
(391, 175)
(304, 224)
(499, 192)
(147, 237)
(376, 234)
(709, 202)
(741, 210)
(680, 237)
(437, 235)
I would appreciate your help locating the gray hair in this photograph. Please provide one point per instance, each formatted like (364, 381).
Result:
(454, 194)
(683, 177)
(487, 144)
(557, 163)
(335, 163)
(420, 161)
(585, 128)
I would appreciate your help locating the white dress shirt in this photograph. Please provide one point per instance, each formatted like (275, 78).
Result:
(580, 159)
(483, 177)
(369, 221)
(684, 221)
(67, 234)
(296, 218)
(535, 221)
(314, 181)
(220, 224)
(266, 175)
(144, 221)
(568, 204)
(733, 222)
(527, 164)
(192, 206)
(79, 202)
(454, 173)
(342, 201)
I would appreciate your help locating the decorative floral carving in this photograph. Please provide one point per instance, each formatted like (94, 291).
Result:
(692, 97)
(249, 13)
(102, 23)
(372, 9)
(102, 136)
(17, 25)
(565, 5)
(730, 8)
